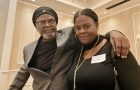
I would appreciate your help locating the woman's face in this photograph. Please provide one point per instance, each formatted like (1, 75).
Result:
(85, 28)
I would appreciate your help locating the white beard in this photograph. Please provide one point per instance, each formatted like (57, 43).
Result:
(49, 36)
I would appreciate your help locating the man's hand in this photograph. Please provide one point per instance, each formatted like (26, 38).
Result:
(120, 43)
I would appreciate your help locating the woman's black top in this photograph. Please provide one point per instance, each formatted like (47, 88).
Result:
(94, 76)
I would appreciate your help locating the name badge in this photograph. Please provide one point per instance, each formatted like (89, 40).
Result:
(98, 58)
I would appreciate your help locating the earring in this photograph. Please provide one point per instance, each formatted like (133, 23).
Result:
(75, 36)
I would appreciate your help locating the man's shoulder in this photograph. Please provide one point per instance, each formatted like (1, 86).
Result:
(31, 44)
(66, 29)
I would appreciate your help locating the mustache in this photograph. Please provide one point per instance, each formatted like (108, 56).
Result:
(49, 29)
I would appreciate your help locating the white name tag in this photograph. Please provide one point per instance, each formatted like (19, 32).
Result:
(98, 58)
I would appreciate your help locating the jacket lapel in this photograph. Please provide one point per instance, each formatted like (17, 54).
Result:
(31, 50)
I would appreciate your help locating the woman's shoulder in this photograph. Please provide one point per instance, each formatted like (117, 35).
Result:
(103, 38)
(106, 47)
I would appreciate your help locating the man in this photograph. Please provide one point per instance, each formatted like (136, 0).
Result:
(49, 58)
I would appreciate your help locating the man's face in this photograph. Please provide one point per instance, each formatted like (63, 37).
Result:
(46, 26)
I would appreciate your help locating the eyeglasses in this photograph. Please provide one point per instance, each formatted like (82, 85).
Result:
(43, 22)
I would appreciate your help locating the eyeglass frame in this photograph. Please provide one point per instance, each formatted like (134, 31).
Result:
(49, 21)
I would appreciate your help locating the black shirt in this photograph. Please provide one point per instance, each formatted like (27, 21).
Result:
(43, 56)
(93, 76)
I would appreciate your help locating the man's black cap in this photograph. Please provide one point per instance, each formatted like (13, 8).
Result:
(44, 10)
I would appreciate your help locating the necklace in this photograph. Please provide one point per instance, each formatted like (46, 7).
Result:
(78, 65)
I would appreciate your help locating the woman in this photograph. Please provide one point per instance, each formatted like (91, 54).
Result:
(93, 66)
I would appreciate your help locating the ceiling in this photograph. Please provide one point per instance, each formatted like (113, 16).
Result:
(71, 6)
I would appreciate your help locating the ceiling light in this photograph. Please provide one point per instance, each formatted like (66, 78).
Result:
(33, 0)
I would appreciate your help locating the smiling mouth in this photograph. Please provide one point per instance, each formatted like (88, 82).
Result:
(83, 37)
(49, 31)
